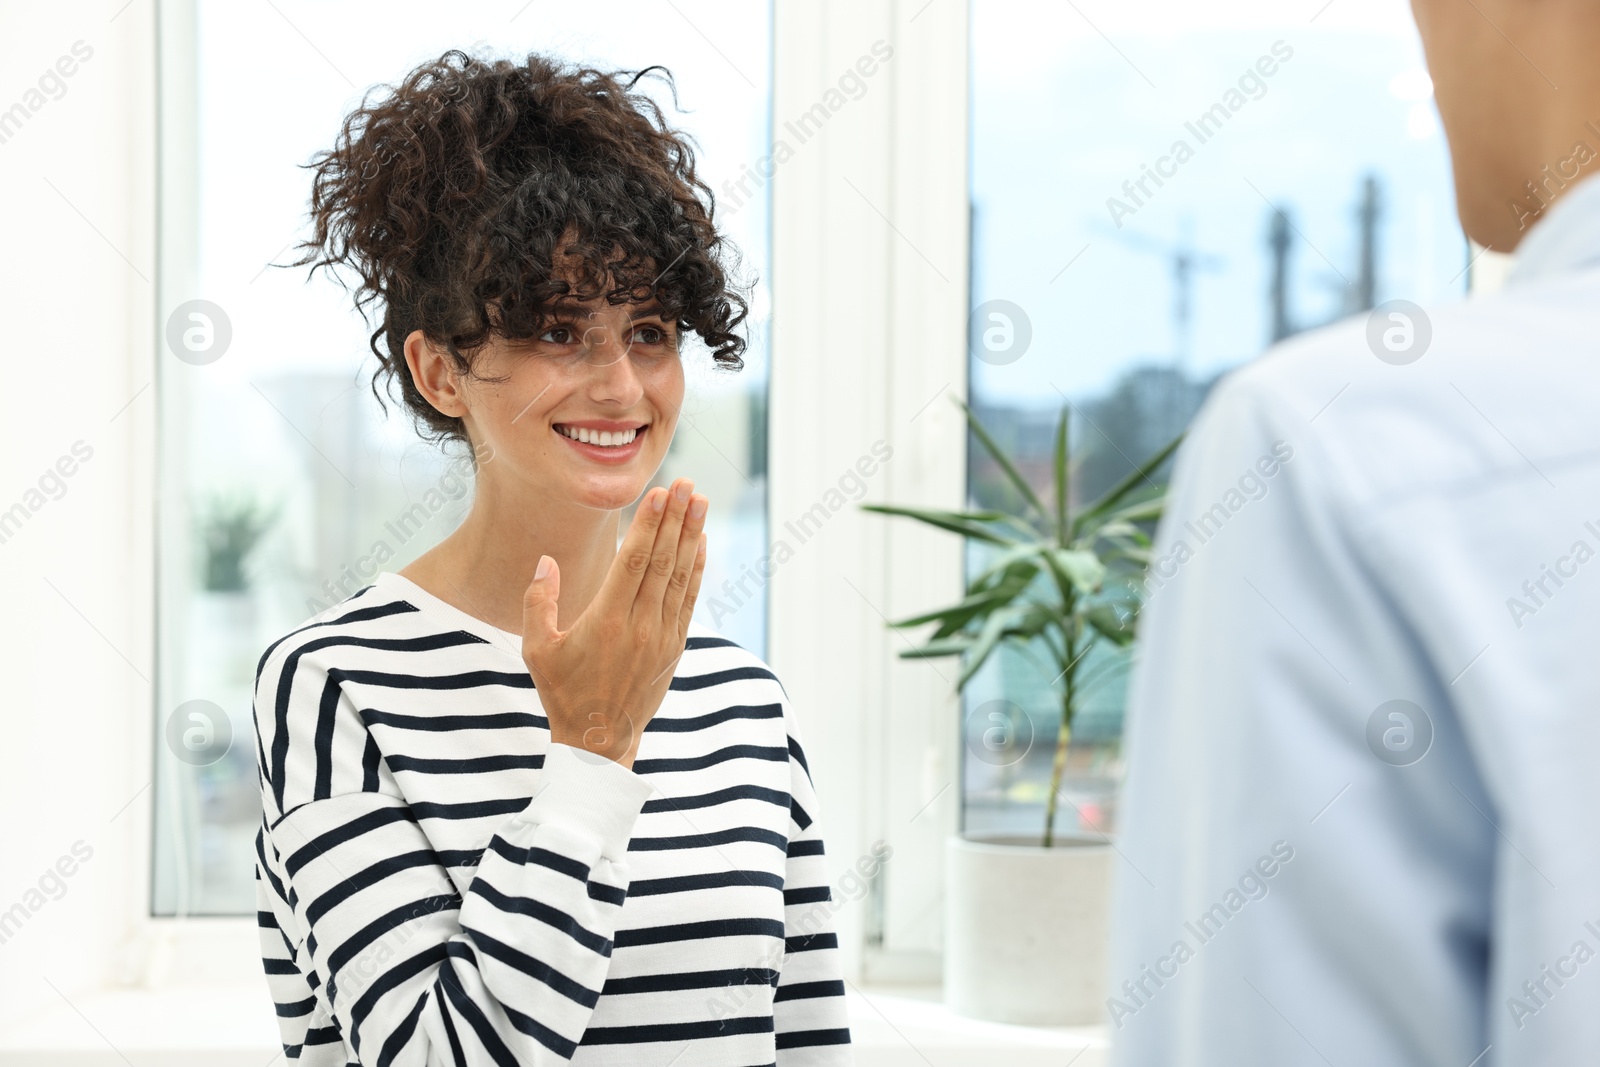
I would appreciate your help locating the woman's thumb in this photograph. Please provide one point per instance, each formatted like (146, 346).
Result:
(539, 601)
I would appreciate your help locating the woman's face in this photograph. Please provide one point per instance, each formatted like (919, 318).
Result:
(586, 410)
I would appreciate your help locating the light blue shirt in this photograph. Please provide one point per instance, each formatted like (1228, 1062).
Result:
(1361, 823)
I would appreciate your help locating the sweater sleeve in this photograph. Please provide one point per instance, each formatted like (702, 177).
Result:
(415, 973)
(809, 1012)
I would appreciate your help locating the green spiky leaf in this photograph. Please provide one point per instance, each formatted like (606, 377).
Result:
(1004, 461)
(1136, 477)
(965, 523)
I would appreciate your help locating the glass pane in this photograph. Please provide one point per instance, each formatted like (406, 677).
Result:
(284, 486)
(1152, 207)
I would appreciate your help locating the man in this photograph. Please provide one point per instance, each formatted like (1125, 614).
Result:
(1362, 816)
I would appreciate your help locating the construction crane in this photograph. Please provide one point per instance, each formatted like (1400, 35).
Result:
(1185, 262)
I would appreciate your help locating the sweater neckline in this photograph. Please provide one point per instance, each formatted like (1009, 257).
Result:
(400, 587)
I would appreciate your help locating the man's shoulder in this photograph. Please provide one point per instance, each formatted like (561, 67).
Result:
(1405, 399)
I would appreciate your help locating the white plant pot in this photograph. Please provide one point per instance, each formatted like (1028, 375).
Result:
(1025, 929)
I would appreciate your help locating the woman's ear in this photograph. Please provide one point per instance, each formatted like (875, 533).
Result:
(435, 375)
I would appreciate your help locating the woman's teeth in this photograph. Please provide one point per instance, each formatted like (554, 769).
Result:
(603, 438)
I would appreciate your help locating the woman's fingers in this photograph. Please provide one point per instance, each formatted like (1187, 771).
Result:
(664, 553)
(632, 561)
(692, 593)
(598, 691)
(694, 520)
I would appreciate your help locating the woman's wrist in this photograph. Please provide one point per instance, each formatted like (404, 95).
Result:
(607, 744)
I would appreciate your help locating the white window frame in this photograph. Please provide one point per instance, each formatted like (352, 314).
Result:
(870, 265)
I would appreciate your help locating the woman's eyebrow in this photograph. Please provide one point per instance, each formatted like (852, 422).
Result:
(571, 309)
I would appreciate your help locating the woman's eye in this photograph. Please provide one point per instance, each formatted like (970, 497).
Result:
(653, 335)
(557, 335)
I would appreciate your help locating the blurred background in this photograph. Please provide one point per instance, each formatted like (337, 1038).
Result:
(999, 212)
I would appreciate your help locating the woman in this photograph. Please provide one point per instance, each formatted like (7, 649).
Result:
(517, 808)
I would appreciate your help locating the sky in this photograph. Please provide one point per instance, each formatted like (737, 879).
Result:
(1064, 114)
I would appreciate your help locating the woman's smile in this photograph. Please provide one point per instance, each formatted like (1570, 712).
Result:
(604, 440)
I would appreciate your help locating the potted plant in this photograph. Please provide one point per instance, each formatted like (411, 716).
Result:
(1026, 918)
(229, 526)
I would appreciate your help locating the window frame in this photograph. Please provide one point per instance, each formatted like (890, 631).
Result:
(888, 182)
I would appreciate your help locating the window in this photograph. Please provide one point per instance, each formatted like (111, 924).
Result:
(284, 488)
(1154, 205)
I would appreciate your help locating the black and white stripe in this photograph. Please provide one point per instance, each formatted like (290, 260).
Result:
(438, 884)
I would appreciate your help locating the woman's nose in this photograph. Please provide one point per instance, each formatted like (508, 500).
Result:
(612, 372)
(602, 346)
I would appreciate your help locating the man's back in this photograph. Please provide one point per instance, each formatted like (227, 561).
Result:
(1365, 728)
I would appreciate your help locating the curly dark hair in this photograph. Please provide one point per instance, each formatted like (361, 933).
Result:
(451, 196)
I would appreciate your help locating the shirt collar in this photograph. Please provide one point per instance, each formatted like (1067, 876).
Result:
(1567, 238)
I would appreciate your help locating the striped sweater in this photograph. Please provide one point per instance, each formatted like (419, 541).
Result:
(439, 884)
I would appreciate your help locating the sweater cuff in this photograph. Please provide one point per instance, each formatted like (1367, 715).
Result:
(582, 791)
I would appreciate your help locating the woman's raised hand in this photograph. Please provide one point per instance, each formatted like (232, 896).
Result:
(601, 681)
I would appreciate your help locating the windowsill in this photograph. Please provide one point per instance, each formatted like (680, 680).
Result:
(910, 1025)
(201, 1026)
(227, 1026)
